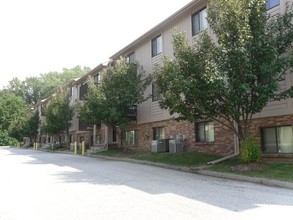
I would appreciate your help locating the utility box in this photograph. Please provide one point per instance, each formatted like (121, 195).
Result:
(154, 146)
(175, 146)
(161, 145)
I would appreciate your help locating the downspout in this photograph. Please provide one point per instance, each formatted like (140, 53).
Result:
(106, 137)
(94, 135)
(236, 150)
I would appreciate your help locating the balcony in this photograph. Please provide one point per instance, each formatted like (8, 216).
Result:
(132, 113)
(83, 126)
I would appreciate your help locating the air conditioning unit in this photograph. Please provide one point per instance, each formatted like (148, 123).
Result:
(154, 146)
(175, 146)
(163, 145)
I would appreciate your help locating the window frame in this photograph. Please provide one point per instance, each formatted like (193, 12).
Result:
(114, 136)
(270, 5)
(97, 78)
(134, 138)
(83, 90)
(278, 148)
(158, 133)
(131, 57)
(156, 94)
(205, 138)
(200, 28)
(156, 50)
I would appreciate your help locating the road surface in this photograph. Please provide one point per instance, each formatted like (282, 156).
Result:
(37, 185)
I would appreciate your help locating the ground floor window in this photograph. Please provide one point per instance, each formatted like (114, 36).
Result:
(277, 139)
(131, 137)
(205, 131)
(114, 136)
(158, 133)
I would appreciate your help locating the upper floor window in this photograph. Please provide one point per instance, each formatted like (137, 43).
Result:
(70, 92)
(205, 131)
(97, 79)
(272, 3)
(157, 45)
(199, 21)
(83, 91)
(131, 58)
(156, 94)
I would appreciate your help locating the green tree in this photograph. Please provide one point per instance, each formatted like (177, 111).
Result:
(233, 77)
(6, 140)
(34, 89)
(30, 126)
(12, 109)
(58, 116)
(122, 85)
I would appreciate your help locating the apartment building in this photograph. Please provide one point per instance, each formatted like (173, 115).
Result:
(272, 127)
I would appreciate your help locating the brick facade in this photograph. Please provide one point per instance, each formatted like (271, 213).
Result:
(223, 144)
(257, 124)
(223, 138)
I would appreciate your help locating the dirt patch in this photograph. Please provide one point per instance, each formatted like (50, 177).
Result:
(248, 167)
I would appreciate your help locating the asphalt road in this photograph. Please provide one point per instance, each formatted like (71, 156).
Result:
(39, 185)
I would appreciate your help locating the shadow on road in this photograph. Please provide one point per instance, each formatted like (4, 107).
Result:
(217, 192)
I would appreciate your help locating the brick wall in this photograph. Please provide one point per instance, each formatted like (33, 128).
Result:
(257, 124)
(223, 144)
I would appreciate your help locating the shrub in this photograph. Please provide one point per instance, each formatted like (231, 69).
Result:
(6, 140)
(250, 150)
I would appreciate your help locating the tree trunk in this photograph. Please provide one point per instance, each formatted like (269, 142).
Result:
(60, 144)
(106, 136)
(67, 141)
(94, 135)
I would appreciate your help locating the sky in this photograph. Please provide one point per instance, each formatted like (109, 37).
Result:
(39, 36)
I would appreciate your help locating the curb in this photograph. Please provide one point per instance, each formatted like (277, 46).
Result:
(196, 170)
(201, 171)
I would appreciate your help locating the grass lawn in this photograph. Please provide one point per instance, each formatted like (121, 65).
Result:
(278, 170)
(189, 159)
(270, 169)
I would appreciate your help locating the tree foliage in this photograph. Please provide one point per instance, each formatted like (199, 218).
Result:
(6, 140)
(31, 125)
(12, 109)
(122, 85)
(58, 115)
(35, 88)
(233, 77)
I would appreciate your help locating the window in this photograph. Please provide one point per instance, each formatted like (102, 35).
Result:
(272, 3)
(158, 133)
(82, 125)
(131, 137)
(70, 92)
(199, 21)
(131, 58)
(277, 139)
(114, 136)
(83, 91)
(156, 94)
(205, 131)
(157, 46)
(97, 79)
